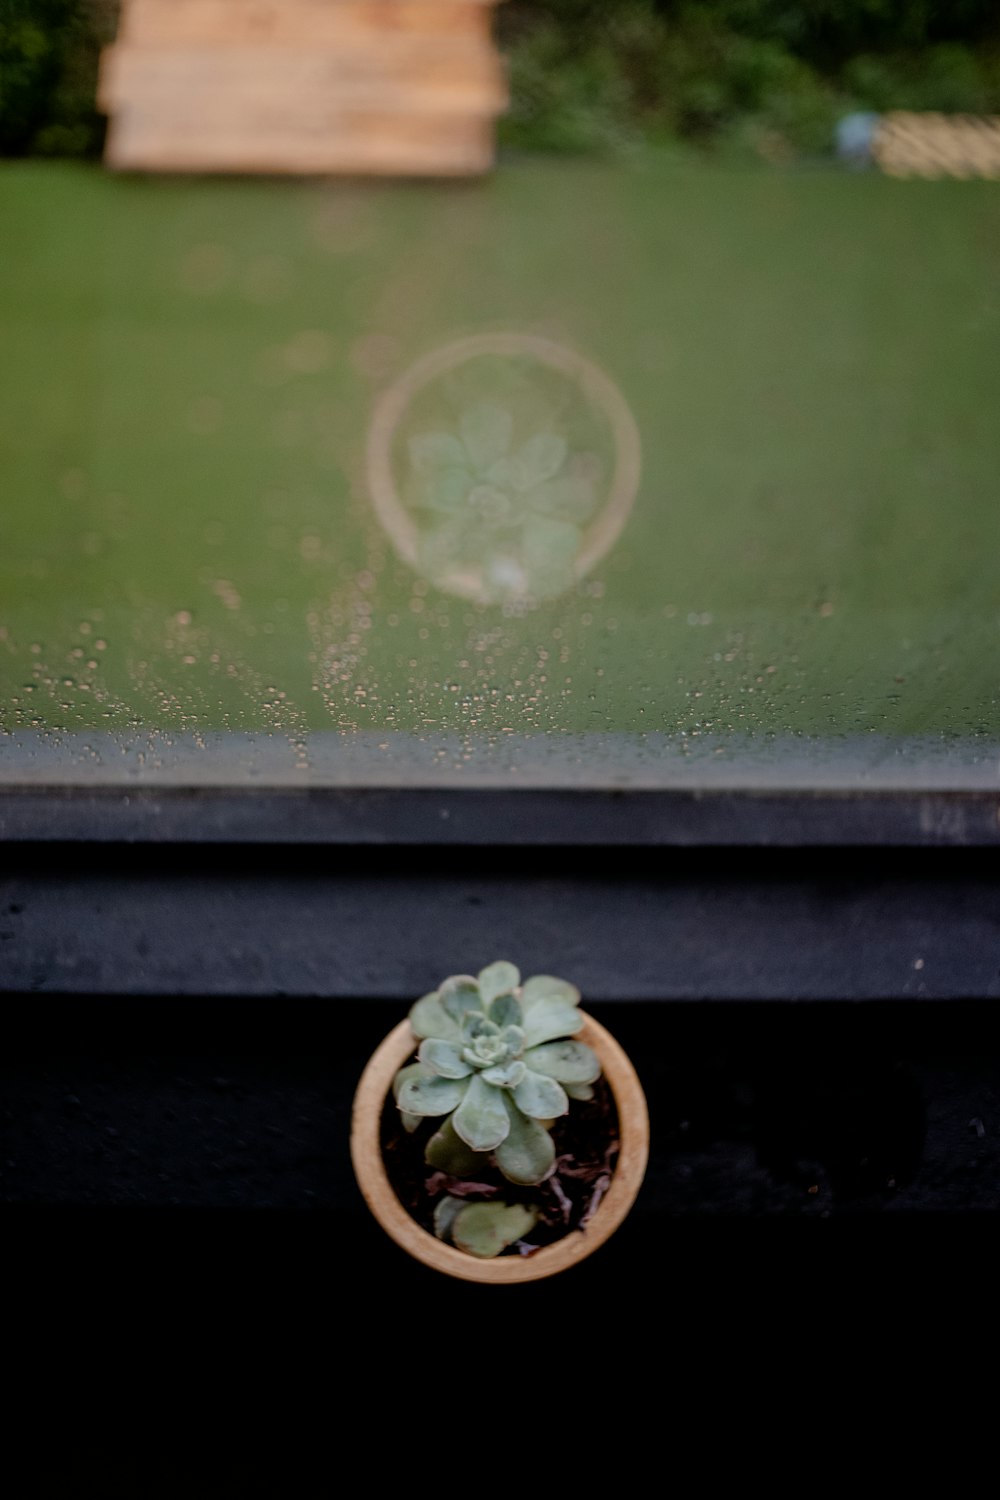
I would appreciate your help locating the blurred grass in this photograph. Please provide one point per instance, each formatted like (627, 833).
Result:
(812, 360)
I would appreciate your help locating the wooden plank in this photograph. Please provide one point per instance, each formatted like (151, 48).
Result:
(393, 143)
(283, 22)
(932, 145)
(255, 85)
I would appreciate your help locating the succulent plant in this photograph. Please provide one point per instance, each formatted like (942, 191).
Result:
(483, 1229)
(498, 1060)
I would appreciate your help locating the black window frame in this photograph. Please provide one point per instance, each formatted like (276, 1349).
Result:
(737, 895)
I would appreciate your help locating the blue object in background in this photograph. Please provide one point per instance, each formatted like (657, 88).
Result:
(855, 135)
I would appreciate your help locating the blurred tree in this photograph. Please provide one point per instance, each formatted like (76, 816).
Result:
(48, 75)
(774, 74)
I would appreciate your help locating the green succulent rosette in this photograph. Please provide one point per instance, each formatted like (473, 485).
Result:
(499, 1060)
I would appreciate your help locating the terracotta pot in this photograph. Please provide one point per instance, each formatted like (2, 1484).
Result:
(633, 1122)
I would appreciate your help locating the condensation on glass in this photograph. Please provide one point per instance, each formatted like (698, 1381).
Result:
(637, 472)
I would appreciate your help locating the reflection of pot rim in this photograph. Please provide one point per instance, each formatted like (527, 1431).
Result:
(391, 405)
(366, 1154)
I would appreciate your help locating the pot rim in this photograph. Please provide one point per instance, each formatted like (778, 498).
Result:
(366, 1155)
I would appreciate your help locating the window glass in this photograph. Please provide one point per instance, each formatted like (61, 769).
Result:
(649, 470)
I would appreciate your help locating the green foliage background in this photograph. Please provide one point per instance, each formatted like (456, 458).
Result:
(771, 75)
(768, 76)
(48, 75)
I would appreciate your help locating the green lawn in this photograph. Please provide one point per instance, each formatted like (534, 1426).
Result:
(812, 360)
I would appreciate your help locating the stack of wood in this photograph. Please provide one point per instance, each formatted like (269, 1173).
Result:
(932, 145)
(316, 86)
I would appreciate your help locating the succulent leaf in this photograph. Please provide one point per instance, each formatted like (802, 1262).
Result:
(540, 458)
(481, 1120)
(546, 987)
(528, 1153)
(549, 545)
(486, 431)
(568, 1061)
(412, 1070)
(433, 451)
(448, 1153)
(505, 1075)
(484, 1229)
(548, 1020)
(443, 491)
(540, 1096)
(475, 1025)
(496, 979)
(431, 1095)
(505, 1010)
(428, 1017)
(583, 1092)
(446, 1210)
(513, 1039)
(459, 995)
(443, 1058)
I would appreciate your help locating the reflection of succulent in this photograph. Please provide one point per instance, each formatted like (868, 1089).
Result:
(513, 513)
(496, 1057)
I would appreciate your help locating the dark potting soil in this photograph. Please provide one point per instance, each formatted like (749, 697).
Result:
(586, 1142)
